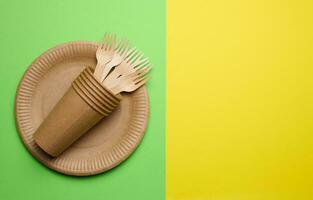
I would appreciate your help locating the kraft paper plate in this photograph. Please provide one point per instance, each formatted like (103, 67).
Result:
(107, 144)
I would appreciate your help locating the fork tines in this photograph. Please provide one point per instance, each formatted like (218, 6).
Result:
(122, 68)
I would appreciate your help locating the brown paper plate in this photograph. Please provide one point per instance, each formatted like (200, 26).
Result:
(108, 143)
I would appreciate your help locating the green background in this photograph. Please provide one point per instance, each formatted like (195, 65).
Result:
(28, 28)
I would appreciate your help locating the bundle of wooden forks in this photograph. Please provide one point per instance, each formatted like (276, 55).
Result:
(120, 68)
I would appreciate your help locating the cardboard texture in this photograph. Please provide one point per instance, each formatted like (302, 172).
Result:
(84, 104)
(111, 141)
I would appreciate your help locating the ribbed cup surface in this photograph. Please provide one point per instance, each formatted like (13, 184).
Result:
(81, 107)
(94, 93)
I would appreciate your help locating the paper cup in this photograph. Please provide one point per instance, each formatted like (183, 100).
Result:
(84, 104)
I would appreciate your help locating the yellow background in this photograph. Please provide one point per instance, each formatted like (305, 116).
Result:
(239, 99)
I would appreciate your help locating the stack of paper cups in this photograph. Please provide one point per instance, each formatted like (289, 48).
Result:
(84, 104)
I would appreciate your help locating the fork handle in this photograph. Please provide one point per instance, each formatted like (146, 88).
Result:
(111, 76)
(105, 71)
(98, 71)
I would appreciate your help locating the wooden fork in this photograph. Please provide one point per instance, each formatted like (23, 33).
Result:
(121, 52)
(130, 82)
(132, 62)
(104, 54)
